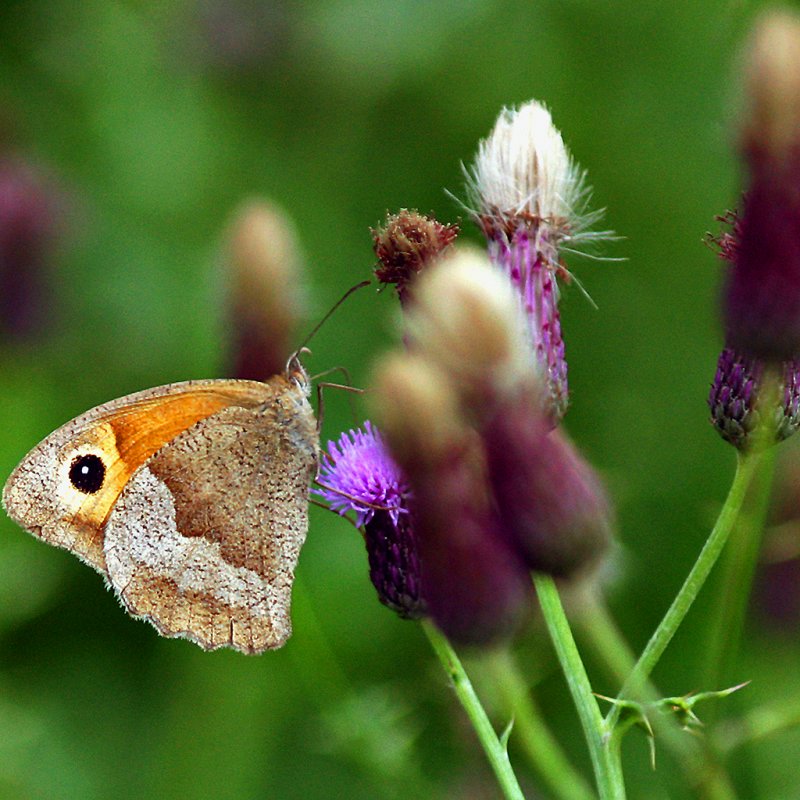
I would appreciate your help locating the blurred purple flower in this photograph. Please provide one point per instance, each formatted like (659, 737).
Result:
(29, 228)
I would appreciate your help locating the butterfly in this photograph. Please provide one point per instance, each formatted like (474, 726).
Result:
(190, 499)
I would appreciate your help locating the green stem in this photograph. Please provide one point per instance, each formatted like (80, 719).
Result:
(603, 747)
(543, 751)
(745, 468)
(494, 749)
(738, 570)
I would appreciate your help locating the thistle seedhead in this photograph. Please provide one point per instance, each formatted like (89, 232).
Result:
(406, 244)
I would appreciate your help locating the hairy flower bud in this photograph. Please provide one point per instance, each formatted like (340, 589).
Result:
(266, 298)
(528, 197)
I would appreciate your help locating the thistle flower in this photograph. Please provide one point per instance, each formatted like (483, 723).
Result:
(762, 292)
(476, 588)
(528, 196)
(266, 301)
(405, 244)
(358, 474)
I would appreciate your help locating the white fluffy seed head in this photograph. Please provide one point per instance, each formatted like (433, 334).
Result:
(468, 320)
(524, 167)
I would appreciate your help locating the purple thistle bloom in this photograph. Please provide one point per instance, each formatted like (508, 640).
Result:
(358, 474)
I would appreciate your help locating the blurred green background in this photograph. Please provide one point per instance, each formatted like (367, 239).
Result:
(152, 122)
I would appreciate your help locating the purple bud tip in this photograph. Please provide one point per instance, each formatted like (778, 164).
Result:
(733, 399)
(358, 474)
(406, 243)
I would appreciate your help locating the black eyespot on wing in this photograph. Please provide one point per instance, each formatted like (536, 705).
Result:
(87, 472)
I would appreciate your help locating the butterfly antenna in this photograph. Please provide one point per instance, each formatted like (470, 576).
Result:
(330, 312)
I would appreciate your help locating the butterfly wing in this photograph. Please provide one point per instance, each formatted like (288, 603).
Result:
(204, 539)
(41, 494)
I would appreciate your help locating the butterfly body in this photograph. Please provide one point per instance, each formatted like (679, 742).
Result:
(191, 500)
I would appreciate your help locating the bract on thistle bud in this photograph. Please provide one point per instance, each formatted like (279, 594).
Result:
(266, 298)
(357, 473)
(527, 196)
(405, 244)
(476, 588)
(762, 292)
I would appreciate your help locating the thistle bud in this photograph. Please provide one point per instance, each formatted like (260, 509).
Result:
(762, 292)
(475, 586)
(266, 299)
(528, 195)
(407, 243)
(736, 399)
(466, 320)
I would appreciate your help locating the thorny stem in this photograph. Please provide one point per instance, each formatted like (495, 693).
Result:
(706, 777)
(603, 746)
(494, 749)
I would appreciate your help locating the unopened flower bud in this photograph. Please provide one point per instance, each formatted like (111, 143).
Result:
(736, 399)
(762, 293)
(406, 244)
(551, 502)
(772, 76)
(266, 293)
(421, 439)
(475, 586)
(467, 321)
